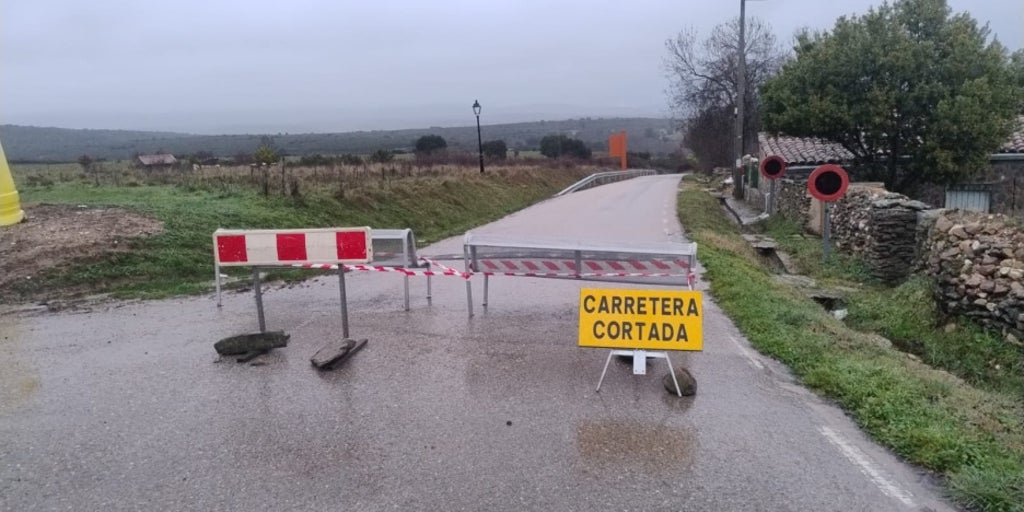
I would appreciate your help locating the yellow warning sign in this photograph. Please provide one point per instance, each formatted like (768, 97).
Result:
(641, 319)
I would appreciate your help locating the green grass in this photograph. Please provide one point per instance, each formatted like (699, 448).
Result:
(973, 437)
(179, 261)
(806, 252)
(907, 315)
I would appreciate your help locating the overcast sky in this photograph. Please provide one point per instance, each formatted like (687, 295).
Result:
(226, 66)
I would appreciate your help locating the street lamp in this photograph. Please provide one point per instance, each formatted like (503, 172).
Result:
(479, 141)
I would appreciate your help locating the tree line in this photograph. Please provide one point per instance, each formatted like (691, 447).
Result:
(430, 146)
(36, 144)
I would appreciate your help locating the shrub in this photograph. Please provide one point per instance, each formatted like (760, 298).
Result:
(495, 149)
(557, 146)
(382, 156)
(429, 144)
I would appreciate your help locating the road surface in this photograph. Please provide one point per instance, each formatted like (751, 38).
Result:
(127, 407)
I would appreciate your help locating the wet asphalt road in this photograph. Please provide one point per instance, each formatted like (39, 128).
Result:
(126, 406)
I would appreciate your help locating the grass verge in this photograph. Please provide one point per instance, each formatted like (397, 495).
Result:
(179, 261)
(973, 437)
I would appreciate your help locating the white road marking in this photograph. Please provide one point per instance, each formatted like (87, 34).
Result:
(747, 354)
(856, 456)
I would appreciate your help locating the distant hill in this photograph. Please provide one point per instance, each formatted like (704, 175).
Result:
(35, 144)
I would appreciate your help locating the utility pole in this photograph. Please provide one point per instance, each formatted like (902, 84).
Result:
(738, 174)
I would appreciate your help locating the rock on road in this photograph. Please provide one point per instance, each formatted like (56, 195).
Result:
(126, 407)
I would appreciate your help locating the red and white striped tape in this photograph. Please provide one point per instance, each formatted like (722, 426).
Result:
(446, 270)
(378, 268)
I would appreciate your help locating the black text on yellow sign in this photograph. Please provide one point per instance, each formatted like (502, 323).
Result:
(641, 319)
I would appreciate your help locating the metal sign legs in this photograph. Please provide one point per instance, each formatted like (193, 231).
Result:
(258, 292)
(344, 301)
(259, 298)
(469, 285)
(640, 364)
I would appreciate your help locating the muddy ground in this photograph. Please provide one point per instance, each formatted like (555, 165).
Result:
(53, 235)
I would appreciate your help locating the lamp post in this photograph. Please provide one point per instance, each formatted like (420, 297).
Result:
(741, 99)
(479, 141)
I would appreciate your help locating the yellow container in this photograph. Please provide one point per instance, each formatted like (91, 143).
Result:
(10, 206)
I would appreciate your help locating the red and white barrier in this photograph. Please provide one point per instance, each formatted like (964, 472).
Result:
(270, 247)
(351, 249)
(589, 268)
(607, 268)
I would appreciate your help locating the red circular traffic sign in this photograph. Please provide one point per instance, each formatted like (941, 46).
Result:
(773, 167)
(828, 182)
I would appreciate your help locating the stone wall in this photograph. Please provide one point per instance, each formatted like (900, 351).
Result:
(881, 227)
(794, 202)
(977, 261)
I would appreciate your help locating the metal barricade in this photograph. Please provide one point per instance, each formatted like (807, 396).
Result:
(392, 250)
(305, 247)
(396, 248)
(620, 262)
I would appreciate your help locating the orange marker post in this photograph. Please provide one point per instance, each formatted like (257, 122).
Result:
(617, 147)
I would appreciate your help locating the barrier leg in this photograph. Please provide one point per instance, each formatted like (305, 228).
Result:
(486, 281)
(407, 293)
(259, 298)
(606, 361)
(469, 285)
(691, 272)
(216, 280)
(428, 289)
(344, 301)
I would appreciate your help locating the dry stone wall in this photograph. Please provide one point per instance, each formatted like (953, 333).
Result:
(882, 228)
(794, 202)
(977, 261)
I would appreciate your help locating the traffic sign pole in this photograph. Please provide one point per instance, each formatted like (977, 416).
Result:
(826, 232)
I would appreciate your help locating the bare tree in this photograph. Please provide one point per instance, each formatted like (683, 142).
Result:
(702, 83)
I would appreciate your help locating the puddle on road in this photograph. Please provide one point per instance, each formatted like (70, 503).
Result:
(633, 445)
(18, 379)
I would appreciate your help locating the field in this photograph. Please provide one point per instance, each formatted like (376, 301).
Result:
(435, 201)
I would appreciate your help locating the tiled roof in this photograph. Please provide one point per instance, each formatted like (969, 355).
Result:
(812, 151)
(1016, 142)
(160, 159)
(803, 151)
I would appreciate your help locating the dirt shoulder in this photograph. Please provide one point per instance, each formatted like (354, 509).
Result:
(53, 235)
